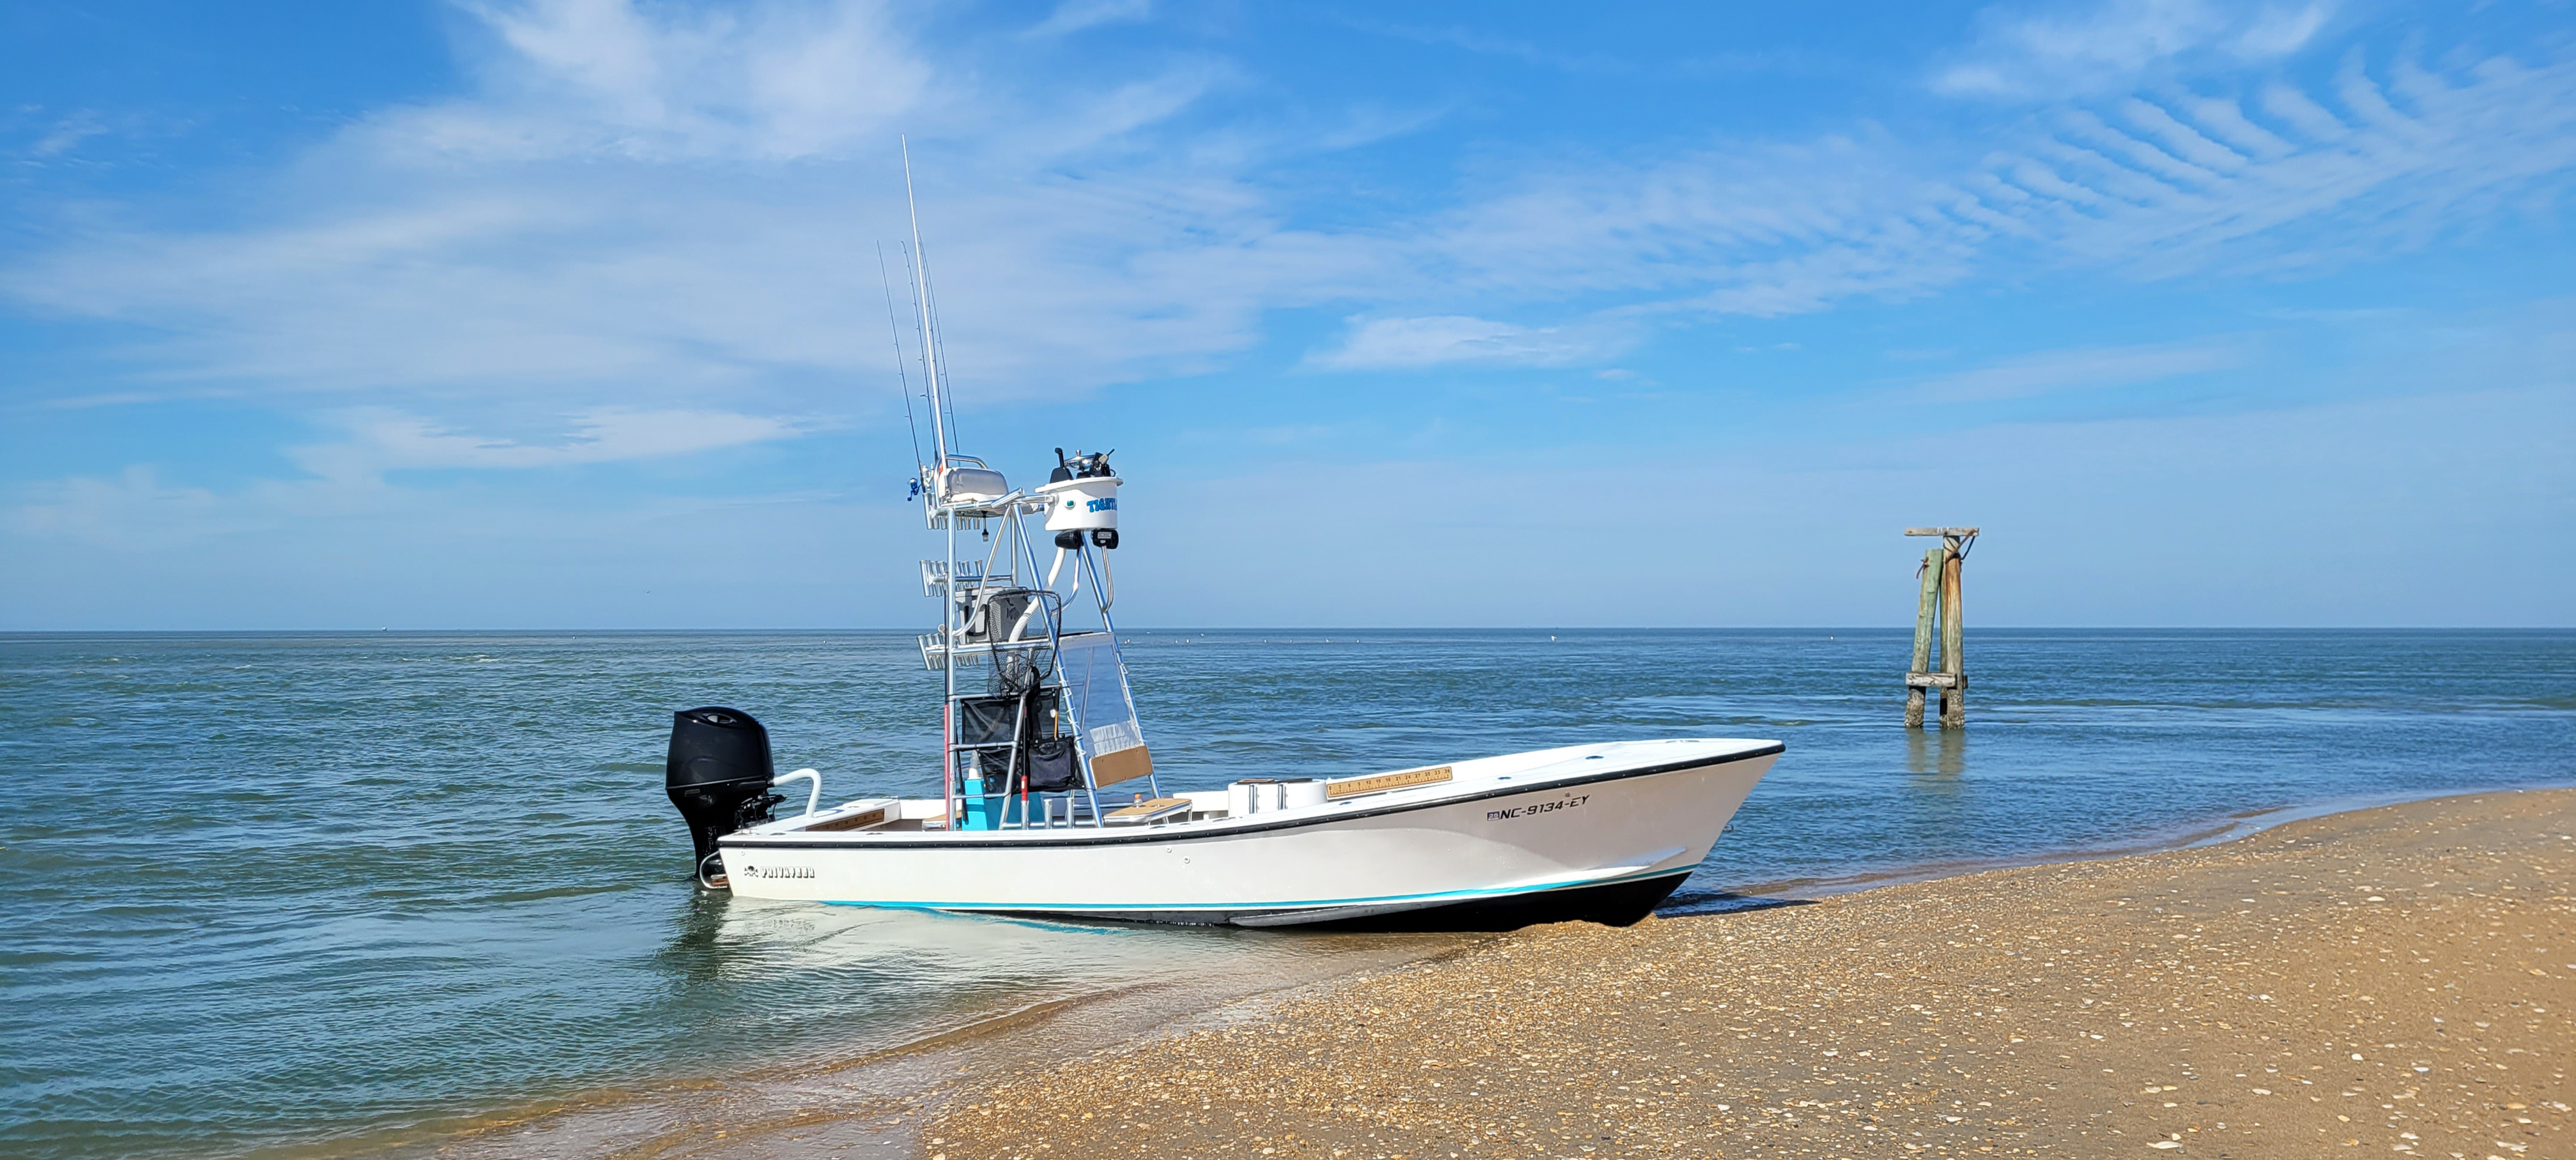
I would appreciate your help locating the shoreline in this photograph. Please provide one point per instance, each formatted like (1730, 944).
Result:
(878, 1103)
(2234, 827)
(2268, 1003)
(875, 1103)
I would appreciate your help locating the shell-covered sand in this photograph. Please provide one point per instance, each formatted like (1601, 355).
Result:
(2390, 981)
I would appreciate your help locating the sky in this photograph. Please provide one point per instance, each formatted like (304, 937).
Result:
(570, 313)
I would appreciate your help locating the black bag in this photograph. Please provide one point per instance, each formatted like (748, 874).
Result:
(1050, 766)
(989, 721)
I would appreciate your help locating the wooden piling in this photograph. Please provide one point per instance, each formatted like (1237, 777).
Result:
(1927, 612)
(1939, 608)
(1954, 639)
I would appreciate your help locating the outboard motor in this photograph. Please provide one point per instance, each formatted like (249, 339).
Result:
(719, 775)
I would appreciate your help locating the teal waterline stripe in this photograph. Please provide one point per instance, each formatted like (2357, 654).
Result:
(1086, 907)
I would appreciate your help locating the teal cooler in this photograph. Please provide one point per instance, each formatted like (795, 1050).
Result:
(982, 812)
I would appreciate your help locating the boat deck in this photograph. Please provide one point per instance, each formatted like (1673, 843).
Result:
(874, 821)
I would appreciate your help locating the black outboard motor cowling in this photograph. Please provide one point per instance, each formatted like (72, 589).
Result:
(719, 774)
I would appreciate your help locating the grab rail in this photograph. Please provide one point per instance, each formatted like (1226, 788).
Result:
(813, 792)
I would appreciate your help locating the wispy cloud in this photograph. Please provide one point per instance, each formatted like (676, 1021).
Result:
(378, 441)
(637, 204)
(2058, 49)
(345, 476)
(131, 510)
(641, 203)
(36, 137)
(2156, 185)
(1072, 16)
(1406, 343)
(774, 80)
(67, 134)
(2094, 368)
(1486, 44)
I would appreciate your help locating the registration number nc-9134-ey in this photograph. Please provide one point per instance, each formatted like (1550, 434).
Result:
(1532, 811)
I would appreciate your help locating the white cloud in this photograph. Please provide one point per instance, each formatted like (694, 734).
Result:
(2058, 49)
(644, 204)
(776, 80)
(645, 207)
(2280, 29)
(1404, 343)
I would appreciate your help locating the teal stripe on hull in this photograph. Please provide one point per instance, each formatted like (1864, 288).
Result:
(1315, 904)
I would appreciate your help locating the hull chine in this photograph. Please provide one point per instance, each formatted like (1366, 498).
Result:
(1622, 903)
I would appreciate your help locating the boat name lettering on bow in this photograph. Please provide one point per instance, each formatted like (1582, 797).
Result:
(1536, 810)
(777, 871)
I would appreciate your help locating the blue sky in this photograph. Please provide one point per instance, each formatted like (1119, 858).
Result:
(566, 313)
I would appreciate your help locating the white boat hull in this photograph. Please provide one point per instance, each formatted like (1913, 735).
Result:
(1600, 831)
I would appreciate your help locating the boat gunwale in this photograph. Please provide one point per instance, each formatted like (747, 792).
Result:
(1091, 836)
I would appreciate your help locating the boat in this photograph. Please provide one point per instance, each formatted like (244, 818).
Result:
(1050, 804)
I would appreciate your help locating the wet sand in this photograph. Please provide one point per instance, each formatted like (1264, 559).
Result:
(2393, 980)
(871, 1104)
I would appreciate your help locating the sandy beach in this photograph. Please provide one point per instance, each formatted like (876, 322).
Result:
(2392, 980)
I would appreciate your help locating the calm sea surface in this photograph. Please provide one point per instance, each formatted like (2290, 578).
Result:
(333, 892)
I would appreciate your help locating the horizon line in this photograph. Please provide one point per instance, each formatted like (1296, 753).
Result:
(1905, 630)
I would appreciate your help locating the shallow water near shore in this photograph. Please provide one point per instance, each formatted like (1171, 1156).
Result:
(332, 893)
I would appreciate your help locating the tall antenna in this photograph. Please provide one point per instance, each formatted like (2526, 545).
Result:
(919, 339)
(896, 332)
(921, 287)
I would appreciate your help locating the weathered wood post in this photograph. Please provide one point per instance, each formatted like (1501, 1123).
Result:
(1954, 639)
(1940, 605)
(1927, 612)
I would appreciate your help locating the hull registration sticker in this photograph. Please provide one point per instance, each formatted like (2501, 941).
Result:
(1532, 811)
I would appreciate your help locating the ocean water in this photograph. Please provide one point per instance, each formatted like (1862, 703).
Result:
(322, 894)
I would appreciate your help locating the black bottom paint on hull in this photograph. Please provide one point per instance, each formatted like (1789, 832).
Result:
(1615, 904)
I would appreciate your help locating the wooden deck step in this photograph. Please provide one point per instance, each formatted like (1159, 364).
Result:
(1148, 811)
